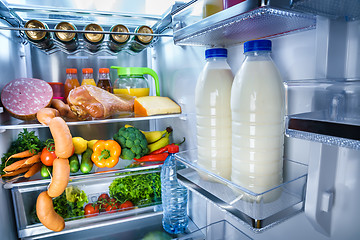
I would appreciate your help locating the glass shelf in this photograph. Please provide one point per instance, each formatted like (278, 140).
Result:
(244, 21)
(319, 127)
(264, 209)
(329, 113)
(13, 123)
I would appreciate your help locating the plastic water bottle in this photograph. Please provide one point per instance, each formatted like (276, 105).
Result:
(174, 196)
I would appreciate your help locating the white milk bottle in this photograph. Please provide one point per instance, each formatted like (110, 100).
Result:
(258, 108)
(213, 113)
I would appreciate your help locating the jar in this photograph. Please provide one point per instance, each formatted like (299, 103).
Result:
(131, 81)
(58, 90)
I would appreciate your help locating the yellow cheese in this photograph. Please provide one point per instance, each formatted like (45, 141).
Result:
(154, 105)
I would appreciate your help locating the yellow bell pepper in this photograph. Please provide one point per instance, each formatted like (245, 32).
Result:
(106, 153)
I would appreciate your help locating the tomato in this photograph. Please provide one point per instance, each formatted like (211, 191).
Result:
(103, 201)
(91, 210)
(104, 196)
(111, 208)
(47, 157)
(127, 205)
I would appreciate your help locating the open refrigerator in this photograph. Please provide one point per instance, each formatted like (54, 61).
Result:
(316, 46)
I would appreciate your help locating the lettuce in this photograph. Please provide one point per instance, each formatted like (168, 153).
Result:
(140, 189)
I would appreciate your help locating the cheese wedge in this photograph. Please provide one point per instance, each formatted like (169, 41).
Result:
(154, 105)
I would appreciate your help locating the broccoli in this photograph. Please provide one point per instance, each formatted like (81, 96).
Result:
(132, 141)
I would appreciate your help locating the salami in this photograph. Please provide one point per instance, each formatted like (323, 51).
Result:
(23, 97)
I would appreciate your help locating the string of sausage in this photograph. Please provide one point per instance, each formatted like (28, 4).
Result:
(61, 169)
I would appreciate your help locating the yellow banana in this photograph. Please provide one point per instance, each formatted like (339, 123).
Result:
(162, 142)
(152, 136)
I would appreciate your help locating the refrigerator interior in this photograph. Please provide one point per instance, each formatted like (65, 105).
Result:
(317, 50)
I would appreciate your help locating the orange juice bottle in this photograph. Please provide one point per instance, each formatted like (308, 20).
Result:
(88, 77)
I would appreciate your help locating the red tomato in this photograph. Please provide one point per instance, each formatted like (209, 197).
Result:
(103, 201)
(111, 208)
(127, 205)
(47, 157)
(104, 196)
(91, 210)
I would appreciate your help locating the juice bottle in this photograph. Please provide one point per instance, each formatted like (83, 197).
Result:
(211, 7)
(104, 80)
(71, 81)
(257, 109)
(88, 77)
(213, 113)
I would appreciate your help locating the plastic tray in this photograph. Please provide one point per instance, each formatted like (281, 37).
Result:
(272, 204)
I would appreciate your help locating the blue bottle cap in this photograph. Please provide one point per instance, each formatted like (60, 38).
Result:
(257, 45)
(215, 52)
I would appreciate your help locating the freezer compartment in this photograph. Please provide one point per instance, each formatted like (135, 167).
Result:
(330, 113)
(259, 210)
(250, 19)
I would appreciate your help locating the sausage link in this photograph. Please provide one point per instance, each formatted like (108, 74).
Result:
(60, 178)
(44, 115)
(46, 213)
(62, 137)
(63, 108)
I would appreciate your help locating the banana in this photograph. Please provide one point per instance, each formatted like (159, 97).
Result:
(162, 142)
(152, 136)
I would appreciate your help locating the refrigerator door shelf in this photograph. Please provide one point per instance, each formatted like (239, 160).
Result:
(245, 21)
(259, 210)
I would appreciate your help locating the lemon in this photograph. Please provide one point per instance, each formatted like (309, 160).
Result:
(80, 145)
(90, 144)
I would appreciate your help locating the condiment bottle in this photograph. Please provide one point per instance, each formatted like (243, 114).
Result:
(257, 110)
(71, 81)
(88, 77)
(104, 80)
(213, 113)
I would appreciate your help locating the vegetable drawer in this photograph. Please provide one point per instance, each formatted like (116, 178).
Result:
(143, 187)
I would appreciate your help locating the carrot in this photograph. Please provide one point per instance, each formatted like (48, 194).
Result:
(15, 166)
(24, 154)
(33, 169)
(16, 172)
(33, 159)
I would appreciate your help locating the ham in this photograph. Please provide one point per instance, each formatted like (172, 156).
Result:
(23, 97)
(90, 102)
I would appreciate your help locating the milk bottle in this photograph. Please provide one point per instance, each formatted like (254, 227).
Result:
(257, 108)
(213, 113)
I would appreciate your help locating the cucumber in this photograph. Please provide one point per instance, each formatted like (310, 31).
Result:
(74, 163)
(45, 171)
(86, 163)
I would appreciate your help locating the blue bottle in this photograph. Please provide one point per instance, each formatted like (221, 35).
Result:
(174, 196)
